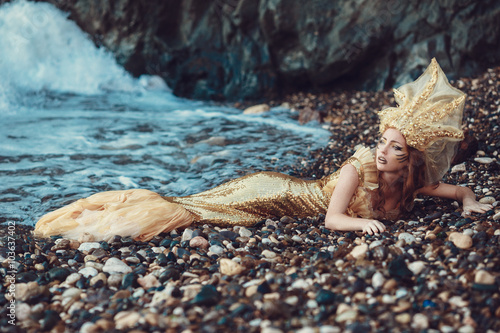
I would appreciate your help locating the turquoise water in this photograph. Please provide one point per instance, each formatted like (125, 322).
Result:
(74, 123)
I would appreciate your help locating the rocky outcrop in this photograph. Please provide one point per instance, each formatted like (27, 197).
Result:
(250, 49)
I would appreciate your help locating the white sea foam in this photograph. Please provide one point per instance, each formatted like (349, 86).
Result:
(43, 49)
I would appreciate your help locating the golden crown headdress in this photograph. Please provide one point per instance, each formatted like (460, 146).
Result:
(429, 115)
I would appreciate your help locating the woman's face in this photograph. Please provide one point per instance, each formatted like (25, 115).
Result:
(392, 151)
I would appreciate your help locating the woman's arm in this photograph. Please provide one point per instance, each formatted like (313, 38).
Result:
(336, 219)
(459, 193)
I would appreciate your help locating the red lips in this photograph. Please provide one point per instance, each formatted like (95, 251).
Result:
(382, 160)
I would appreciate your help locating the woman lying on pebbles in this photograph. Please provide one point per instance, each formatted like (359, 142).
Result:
(418, 141)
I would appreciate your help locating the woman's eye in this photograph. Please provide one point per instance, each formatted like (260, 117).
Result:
(398, 148)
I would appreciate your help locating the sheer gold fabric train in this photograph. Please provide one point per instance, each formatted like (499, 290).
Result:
(142, 214)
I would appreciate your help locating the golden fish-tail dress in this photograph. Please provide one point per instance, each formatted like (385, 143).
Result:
(142, 214)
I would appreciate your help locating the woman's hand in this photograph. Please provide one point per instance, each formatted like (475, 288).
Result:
(463, 194)
(471, 205)
(373, 227)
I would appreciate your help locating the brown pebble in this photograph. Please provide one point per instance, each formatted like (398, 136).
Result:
(74, 244)
(390, 285)
(230, 267)
(198, 242)
(484, 277)
(63, 244)
(402, 306)
(461, 241)
(99, 277)
(121, 294)
(105, 324)
(430, 236)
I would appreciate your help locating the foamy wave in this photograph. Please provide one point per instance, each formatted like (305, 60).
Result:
(43, 50)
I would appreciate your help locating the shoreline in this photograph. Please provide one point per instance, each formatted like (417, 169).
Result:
(435, 270)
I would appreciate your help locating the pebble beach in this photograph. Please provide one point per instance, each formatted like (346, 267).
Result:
(433, 271)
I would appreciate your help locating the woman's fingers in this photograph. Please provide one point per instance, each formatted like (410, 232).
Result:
(477, 208)
(374, 227)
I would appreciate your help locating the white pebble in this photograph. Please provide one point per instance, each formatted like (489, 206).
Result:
(158, 250)
(378, 280)
(400, 293)
(483, 160)
(266, 241)
(416, 267)
(388, 299)
(374, 244)
(115, 265)
(420, 322)
(269, 254)
(458, 168)
(408, 238)
(244, 232)
(71, 293)
(487, 200)
(329, 329)
(72, 278)
(312, 304)
(496, 217)
(469, 232)
(292, 300)
(88, 246)
(88, 272)
(301, 284)
(187, 235)
(23, 311)
(216, 249)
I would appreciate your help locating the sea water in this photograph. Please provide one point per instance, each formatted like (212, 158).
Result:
(73, 123)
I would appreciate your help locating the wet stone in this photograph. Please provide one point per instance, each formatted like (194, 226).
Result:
(325, 297)
(50, 320)
(169, 274)
(264, 288)
(399, 270)
(99, 253)
(129, 281)
(162, 260)
(229, 235)
(58, 273)
(208, 295)
(25, 277)
(380, 253)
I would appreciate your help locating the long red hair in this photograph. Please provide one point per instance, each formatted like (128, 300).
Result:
(413, 179)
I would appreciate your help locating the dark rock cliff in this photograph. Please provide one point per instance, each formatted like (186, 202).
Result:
(252, 49)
